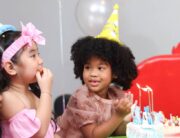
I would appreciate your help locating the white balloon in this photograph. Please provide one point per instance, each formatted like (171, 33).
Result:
(92, 15)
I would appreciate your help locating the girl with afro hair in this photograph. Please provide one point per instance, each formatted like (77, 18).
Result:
(100, 107)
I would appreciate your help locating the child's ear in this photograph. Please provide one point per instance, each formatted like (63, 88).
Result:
(10, 68)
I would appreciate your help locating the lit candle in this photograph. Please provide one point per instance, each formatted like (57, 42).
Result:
(146, 89)
(152, 97)
(140, 94)
(149, 98)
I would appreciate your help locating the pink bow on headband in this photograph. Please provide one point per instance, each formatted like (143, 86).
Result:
(29, 33)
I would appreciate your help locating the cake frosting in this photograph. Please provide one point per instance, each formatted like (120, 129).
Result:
(172, 127)
(145, 124)
(145, 131)
(171, 132)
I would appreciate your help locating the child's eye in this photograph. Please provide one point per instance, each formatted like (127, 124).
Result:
(101, 68)
(33, 56)
(86, 67)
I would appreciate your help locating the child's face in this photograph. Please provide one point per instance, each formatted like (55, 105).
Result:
(97, 75)
(29, 63)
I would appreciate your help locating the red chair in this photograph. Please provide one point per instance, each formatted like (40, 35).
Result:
(162, 74)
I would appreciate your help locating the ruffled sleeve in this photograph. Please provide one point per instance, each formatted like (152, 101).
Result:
(24, 124)
(83, 108)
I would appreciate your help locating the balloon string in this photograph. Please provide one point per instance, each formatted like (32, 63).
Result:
(60, 30)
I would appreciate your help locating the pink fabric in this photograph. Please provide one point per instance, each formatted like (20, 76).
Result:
(85, 108)
(24, 125)
(29, 33)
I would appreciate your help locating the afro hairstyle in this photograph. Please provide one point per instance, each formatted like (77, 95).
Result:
(119, 56)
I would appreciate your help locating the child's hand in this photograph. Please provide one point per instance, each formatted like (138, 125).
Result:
(123, 106)
(44, 80)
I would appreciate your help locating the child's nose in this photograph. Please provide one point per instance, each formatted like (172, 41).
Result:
(93, 72)
(40, 61)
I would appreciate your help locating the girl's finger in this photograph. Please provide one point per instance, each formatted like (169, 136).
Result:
(38, 75)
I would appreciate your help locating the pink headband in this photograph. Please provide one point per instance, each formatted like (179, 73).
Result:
(29, 33)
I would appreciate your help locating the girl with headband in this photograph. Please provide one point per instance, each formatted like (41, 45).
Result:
(25, 85)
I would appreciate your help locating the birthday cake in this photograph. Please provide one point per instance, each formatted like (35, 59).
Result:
(152, 131)
(151, 124)
(145, 131)
(147, 123)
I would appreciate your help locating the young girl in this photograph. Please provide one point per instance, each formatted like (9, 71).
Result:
(24, 113)
(98, 109)
(106, 67)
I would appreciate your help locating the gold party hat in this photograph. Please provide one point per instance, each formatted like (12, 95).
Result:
(111, 29)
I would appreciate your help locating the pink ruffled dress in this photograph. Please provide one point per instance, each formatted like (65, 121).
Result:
(85, 108)
(24, 125)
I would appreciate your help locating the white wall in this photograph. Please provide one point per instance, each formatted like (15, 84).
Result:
(148, 27)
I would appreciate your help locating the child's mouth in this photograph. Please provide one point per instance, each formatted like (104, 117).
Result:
(94, 83)
(40, 69)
